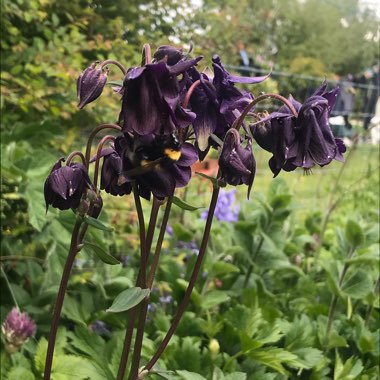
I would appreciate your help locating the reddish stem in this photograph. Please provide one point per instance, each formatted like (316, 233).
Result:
(113, 62)
(98, 153)
(74, 154)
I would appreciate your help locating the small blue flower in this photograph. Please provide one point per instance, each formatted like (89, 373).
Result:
(227, 210)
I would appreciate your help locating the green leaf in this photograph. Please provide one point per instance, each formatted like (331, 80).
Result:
(103, 255)
(19, 373)
(186, 375)
(40, 355)
(183, 205)
(73, 310)
(358, 285)
(354, 233)
(182, 233)
(214, 298)
(128, 299)
(96, 223)
(221, 267)
(236, 376)
(212, 179)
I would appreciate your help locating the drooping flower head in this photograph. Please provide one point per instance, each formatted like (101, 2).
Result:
(17, 329)
(217, 103)
(65, 185)
(301, 141)
(237, 164)
(159, 164)
(151, 96)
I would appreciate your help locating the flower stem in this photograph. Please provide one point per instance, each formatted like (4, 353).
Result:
(75, 154)
(147, 55)
(94, 132)
(185, 301)
(116, 63)
(9, 287)
(60, 297)
(142, 275)
(239, 121)
(250, 269)
(157, 252)
(98, 153)
(190, 91)
(152, 224)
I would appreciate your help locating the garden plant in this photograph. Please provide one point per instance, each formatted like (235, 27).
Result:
(254, 297)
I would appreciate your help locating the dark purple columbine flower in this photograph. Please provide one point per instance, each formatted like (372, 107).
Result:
(111, 169)
(226, 210)
(17, 329)
(65, 185)
(90, 84)
(152, 96)
(301, 141)
(236, 162)
(159, 164)
(217, 103)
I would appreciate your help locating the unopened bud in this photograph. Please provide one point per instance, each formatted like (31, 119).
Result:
(90, 84)
(214, 348)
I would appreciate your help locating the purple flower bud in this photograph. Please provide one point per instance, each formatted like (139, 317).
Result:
(17, 329)
(90, 84)
(65, 185)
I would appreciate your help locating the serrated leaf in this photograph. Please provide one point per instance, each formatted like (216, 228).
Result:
(40, 355)
(358, 285)
(96, 223)
(128, 299)
(183, 205)
(214, 298)
(103, 255)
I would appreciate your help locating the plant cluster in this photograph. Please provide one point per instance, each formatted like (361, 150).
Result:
(172, 115)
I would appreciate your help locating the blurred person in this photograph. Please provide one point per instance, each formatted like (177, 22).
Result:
(372, 95)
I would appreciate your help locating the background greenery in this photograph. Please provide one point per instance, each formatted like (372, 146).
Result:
(262, 304)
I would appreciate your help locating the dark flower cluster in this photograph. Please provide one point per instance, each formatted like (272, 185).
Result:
(303, 140)
(172, 114)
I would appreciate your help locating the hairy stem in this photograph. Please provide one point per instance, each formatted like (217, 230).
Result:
(60, 297)
(185, 301)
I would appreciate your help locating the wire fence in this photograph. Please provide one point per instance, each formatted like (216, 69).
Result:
(356, 100)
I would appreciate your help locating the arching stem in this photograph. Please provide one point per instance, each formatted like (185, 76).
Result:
(98, 156)
(147, 55)
(74, 154)
(239, 121)
(94, 132)
(113, 62)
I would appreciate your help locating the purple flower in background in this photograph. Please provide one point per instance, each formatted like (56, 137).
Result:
(125, 260)
(169, 230)
(100, 328)
(166, 299)
(227, 210)
(17, 329)
(90, 84)
(65, 185)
